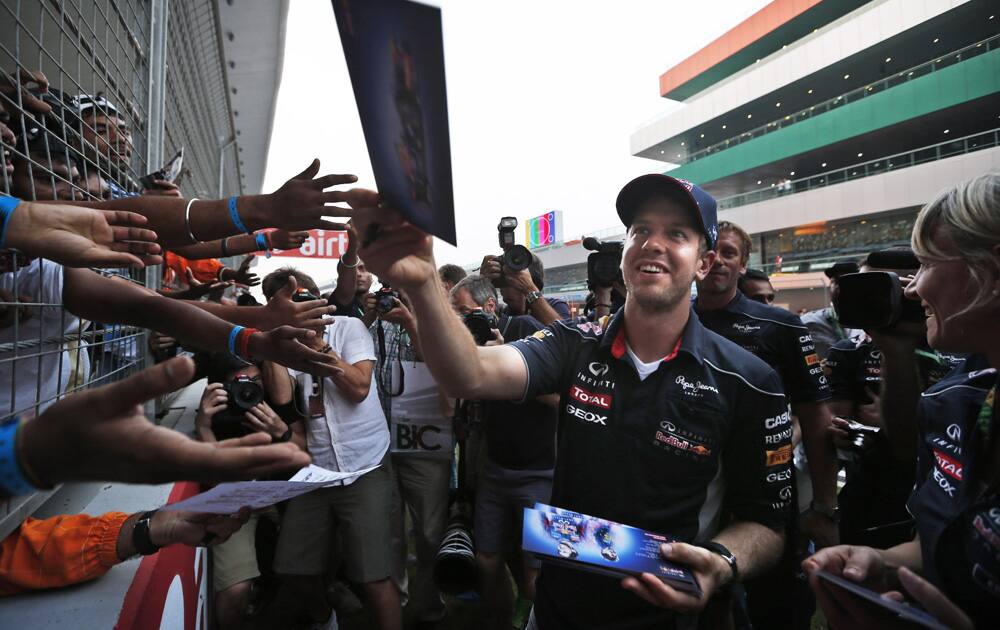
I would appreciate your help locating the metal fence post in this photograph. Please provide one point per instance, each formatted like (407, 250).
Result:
(159, 18)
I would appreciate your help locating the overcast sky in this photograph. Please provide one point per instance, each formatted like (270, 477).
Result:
(542, 97)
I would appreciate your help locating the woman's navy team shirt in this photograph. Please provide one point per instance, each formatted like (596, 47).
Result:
(958, 523)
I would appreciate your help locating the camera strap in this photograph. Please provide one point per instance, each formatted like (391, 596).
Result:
(386, 388)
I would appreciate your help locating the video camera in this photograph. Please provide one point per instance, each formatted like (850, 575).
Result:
(481, 324)
(514, 257)
(385, 299)
(244, 393)
(874, 299)
(604, 266)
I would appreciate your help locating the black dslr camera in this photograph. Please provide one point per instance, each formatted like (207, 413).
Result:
(481, 324)
(385, 299)
(244, 394)
(604, 266)
(514, 257)
(874, 299)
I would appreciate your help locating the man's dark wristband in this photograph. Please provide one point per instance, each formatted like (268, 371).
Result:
(727, 555)
(286, 436)
(141, 539)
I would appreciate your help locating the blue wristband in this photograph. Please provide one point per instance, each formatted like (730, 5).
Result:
(12, 479)
(235, 216)
(261, 240)
(7, 206)
(233, 334)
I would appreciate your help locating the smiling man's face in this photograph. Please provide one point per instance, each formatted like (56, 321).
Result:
(663, 254)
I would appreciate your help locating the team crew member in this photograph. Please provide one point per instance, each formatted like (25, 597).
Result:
(663, 424)
(879, 480)
(956, 501)
(779, 338)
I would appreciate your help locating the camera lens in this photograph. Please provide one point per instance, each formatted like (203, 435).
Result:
(517, 258)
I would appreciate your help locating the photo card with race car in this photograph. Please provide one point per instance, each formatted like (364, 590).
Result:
(601, 546)
(395, 55)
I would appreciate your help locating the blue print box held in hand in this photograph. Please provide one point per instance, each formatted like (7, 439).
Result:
(601, 546)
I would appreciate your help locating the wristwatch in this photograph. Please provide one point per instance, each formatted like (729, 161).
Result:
(832, 513)
(727, 555)
(532, 296)
(141, 540)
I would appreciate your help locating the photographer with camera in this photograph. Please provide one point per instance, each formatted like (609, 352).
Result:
(520, 276)
(950, 567)
(873, 502)
(655, 371)
(604, 276)
(239, 400)
(779, 338)
(421, 480)
(823, 324)
(345, 431)
(516, 471)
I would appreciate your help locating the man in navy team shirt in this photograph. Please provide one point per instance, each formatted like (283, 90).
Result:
(662, 424)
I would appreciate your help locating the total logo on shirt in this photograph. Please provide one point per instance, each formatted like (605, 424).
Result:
(581, 395)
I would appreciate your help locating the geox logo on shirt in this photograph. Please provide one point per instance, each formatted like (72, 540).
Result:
(695, 388)
(745, 328)
(587, 416)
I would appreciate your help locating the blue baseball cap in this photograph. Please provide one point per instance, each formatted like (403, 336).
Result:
(643, 187)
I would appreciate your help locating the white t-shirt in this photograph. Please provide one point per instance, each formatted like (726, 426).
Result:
(352, 436)
(41, 282)
(644, 369)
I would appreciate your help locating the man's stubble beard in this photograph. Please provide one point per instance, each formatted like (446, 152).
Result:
(665, 300)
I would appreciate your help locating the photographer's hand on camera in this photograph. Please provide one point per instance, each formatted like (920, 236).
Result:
(262, 418)
(282, 310)
(213, 400)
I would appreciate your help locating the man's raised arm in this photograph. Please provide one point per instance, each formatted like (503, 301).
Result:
(403, 256)
(300, 204)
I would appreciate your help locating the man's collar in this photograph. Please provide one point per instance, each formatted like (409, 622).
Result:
(692, 337)
(730, 306)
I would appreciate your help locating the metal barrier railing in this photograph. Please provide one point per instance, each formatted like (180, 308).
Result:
(898, 78)
(930, 153)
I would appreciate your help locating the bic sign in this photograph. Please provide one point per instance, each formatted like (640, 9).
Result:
(544, 230)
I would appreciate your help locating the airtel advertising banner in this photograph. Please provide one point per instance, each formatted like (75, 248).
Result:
(320, 244)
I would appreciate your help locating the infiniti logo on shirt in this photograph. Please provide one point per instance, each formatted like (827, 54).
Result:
(954, 432)
(598, 369)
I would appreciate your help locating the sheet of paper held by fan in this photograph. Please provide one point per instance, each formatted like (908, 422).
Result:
(228, 498)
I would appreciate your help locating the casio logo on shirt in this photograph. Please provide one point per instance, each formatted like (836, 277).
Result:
(777, 421)
(587, 416)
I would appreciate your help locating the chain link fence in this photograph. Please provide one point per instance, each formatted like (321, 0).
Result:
(95, 93)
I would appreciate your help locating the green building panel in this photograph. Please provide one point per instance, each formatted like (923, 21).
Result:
(947, 87)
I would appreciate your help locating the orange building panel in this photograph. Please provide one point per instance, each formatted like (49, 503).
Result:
(735, 39)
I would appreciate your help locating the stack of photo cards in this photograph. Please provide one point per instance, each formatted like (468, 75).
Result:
(593, 544)
(395, 55)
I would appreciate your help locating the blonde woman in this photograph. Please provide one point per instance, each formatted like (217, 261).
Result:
(952, 567)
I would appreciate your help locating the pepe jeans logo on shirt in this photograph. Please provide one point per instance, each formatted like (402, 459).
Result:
(694, 389)
(745, 328)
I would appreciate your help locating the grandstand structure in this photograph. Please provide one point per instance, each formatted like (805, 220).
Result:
(822, 126)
